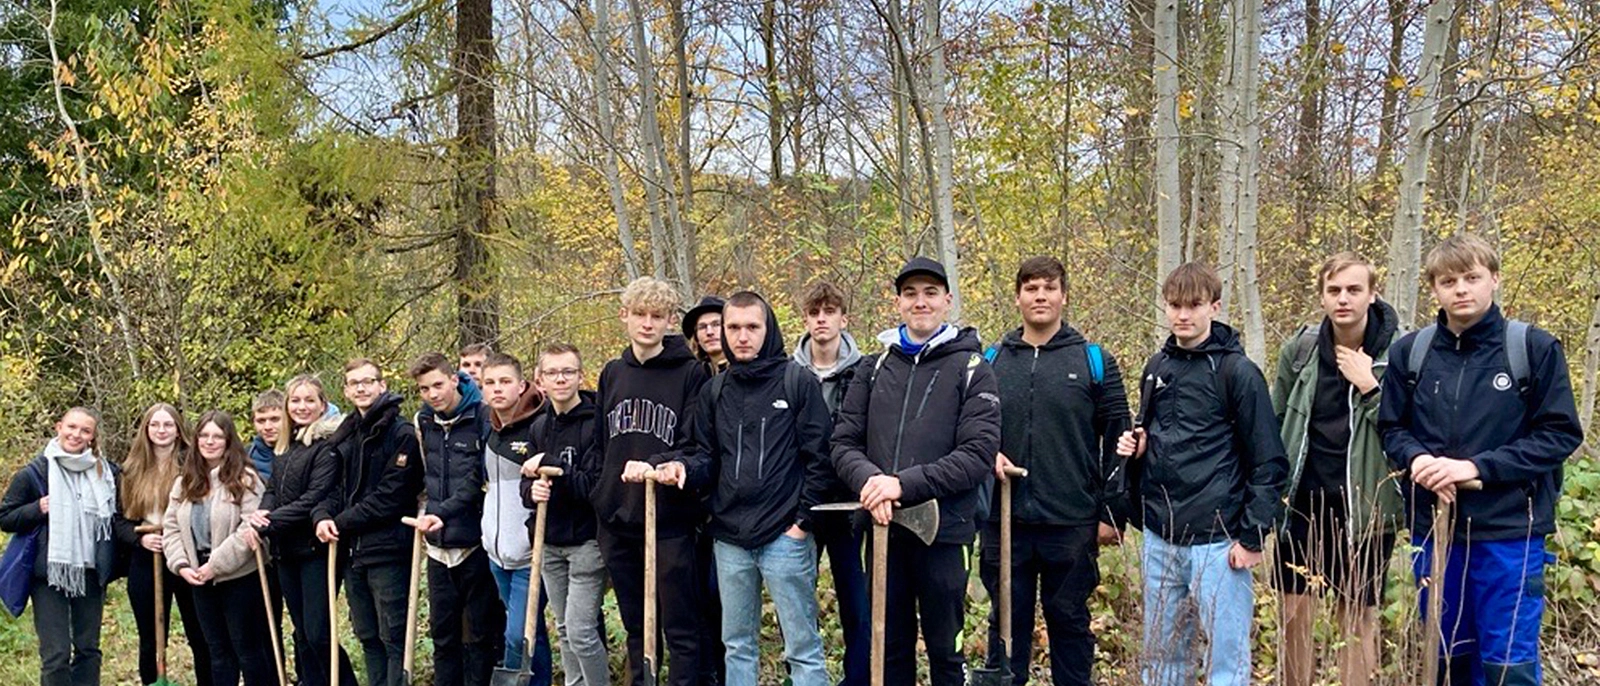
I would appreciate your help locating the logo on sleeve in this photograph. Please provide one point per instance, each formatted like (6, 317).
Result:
(1502, 382)
(780, 404)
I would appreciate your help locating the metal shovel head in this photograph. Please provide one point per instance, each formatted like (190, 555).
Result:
(505, 676)
(986, 676)
(922, 520)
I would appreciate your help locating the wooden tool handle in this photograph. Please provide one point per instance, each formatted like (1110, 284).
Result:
(880, 592)
(1015, 472)
(147, 529)
(550, 472)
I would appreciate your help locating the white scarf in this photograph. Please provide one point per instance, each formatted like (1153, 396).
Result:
(80, 515)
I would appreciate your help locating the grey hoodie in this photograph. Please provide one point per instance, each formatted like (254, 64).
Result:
(835, 380)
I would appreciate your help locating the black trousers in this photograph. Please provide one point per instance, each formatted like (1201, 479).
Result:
(69, 633)
(234, 621)
(305, 591)
(377, 589)
(713, 662)
(466, 620)
(1057, 566)
(142, 597)
(679, 597)
(926, 585)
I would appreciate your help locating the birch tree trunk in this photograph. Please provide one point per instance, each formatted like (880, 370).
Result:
(1169, 214)
(661, 198)
(1255, 344)
(600, 42)
(943, 202)
(1591, 367)
(1405, 241)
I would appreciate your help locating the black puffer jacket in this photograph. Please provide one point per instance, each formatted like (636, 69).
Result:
(932, 419)
(1062, 427)
(1210, 473)
(380, 478)
(302, 478)
(452, 460)
(567, 441)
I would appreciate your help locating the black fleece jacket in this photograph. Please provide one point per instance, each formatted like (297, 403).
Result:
(380, 479)
(763, 454)
(20, 512)
(932, 419)
(567, 441)
(647, 411)
(1062, 427)
(1210, 473)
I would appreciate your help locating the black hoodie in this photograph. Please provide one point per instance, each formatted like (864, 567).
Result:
(765, 453)
(1063, 427)
(932, 419)
(1210, 473)
(566, 441)
(380, 477)
(647, 410)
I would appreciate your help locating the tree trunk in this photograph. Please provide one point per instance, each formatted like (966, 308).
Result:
(685, 227)
(1591, 368)
(902, 126)
(1169, 214)
(1255, 344)
(664, 213)
(1393, 83)
(1405, 241)
(943, 202)
(1133, 206)
(1308, 128)
(599, 40)
(477, 307)
(768, 28)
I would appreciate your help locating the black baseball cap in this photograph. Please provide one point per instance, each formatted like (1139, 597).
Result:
(707, 305)
(922, 266)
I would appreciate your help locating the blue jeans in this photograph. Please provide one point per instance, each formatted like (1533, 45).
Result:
(789, 568)
(1175, 574)
(1492, 608)
(513, 586)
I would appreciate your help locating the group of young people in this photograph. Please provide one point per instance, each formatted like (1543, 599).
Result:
(745, 441)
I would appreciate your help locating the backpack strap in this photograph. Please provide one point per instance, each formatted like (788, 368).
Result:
(1147, 388)
(1419, 352)
(991, 352)
(1517, 354)
(1222, 367)
(791, 381)
(1097, 362)
(1305, 345)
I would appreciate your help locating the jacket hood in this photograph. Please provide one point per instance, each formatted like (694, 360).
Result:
(383, 411)
(588, 402)
(1223, 339)
(1382, 324)
(949, 336)
(1063, 338)
(674, 351)
(324, 427)
(769, 359)
(849, 353)
(470, 395)
(527, 406)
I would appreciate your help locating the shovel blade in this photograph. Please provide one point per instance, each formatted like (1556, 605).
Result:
(984, 676)
(504, 676)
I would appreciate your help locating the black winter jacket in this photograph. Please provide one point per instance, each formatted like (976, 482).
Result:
(1062, 427)
(1464, 403)
(19, 512)
(763, 454)
(452, 460)
(648, 416)
(380, 479)
(932, 419)
(1210, 473)
(834, 386)
(302, 478)
(567, 441)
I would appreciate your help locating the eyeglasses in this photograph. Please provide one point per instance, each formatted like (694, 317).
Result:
(561, 373)
(361, 383)
(709, 326)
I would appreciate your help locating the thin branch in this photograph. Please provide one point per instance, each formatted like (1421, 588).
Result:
(405, 18)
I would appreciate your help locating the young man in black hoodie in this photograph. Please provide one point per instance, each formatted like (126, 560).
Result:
(465, 615)
(379, 480)
(831, 353)
(761, 436)
(922, 423)
(1062, 408)
(574, 572)
(1212, 470)
(647, 399)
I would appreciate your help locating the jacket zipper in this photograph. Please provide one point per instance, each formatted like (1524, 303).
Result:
(738, 453)
(761, 457)
(905, 404)
(927, 392)
(1033, 367)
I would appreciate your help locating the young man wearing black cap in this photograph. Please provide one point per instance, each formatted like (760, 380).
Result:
(922, 423)
(702, 327)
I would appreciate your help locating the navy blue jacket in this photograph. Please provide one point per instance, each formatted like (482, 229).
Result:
(1464, 404)
(452, 467)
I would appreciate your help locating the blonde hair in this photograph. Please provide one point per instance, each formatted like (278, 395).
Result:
(651, 294)
(1458, 254)
(147, 480)
(1341, 261)
(286, 430)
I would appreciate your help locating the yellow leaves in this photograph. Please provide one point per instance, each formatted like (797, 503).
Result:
(1397, 83)
(1186, 104)
(1336, 48)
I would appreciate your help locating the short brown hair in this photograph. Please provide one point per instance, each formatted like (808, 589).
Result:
(270, 399)
(1341, 261)
(1041, 267)
(503, 360)
(1192, 283)
(1460, 253)
(431, 362)
(560, 349)
(820, 294)
(363, 362)
(483, 349)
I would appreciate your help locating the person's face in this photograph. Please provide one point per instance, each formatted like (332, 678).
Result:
(646, 327)
(162, 430)
(1347, 295)
(747, 330)
(825, 322)
(305, 406)
(560, 377)
(267, 421)
(502, 387)
(1466, 296)
(75, 432)
(1191, 321)
(473, 365)
(211, 440)
(923, 303)
(362, 386)
(708, 333)
(1040, 301)
(438, 390)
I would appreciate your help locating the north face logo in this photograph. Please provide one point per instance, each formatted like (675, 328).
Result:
(780, 404)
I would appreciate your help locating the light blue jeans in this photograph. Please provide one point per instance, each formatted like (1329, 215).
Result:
(513, 587)
(789, 568)
(1224, 603)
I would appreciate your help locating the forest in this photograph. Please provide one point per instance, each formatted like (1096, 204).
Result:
(206, 197)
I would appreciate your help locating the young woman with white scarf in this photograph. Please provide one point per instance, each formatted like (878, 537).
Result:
(78, 518)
